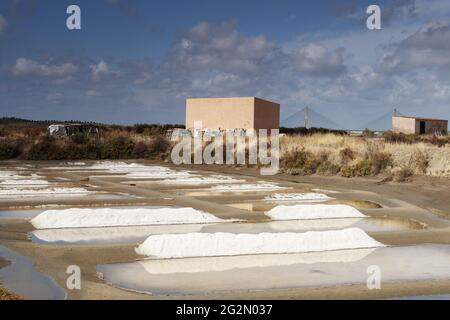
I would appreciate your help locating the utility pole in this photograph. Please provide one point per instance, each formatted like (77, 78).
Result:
(306, 123)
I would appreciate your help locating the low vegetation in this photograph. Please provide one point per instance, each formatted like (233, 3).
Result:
(303, 151)
(396, 156)
(30, 141)
(7, 295)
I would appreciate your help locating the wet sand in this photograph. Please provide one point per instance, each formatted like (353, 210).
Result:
(424, 200)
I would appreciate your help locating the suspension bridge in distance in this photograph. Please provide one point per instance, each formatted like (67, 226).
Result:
(308, 118)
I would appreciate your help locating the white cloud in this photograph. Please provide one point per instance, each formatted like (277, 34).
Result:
(55, 97)
(365, 77)
(221, 47)
(24, 67)
(93, 93)
(428, 47)
(315, 59)
(222, 81)
(441, 91)
(99, 70)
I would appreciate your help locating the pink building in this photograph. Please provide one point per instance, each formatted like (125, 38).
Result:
(233, 113)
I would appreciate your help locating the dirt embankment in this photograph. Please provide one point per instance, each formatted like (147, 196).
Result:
(4, 263)
(4, 293)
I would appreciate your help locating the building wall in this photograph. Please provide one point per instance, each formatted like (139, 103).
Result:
(267, 114)
(412, 125)
(432, 126)
(232, 113)
(404, 125)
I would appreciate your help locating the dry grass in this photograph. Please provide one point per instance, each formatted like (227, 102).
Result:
(6, 295)
(357, 154)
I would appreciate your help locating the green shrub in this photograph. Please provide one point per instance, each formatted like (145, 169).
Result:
(310, 166)
(80, 138)
(3, 132)
(394, 137)
(9, 150)
(119, 147)
(45, 149)
(158, 146)
(368, 133)
(437, 141)
(380, 161)
(328, 168)
(140, 150)
(51, 149)
(420, 161)
(152, 131)
(346, 155)
(361, 169)
(93, 150)
(300, 162)
(295, 158)
(402, 174)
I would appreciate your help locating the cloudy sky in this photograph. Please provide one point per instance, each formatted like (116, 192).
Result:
(136, 61)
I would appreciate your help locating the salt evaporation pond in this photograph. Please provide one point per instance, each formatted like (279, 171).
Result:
(20, 277)
(279, 271)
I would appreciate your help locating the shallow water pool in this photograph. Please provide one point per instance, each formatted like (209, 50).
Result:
(285, 271)
(20, 277)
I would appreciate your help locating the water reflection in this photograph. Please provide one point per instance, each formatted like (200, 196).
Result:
(191, 276)
(21, 278)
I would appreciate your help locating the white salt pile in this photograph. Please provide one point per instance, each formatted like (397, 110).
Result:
(193, 180)
(313, 211)
(133, 170)
(297, 197)
(247, 187)
(18, 178)
(107, 217)
(24, 192)
(227, 244)
(23, 182)
(18, 184)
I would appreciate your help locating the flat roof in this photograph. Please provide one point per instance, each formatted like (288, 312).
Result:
(225, 98)
(419, 118)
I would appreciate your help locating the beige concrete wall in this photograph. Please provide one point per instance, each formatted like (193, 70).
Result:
(232, 113)
(220, 113)
(267, 114)
(404, 125)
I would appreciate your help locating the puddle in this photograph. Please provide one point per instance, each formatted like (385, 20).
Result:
(21, 278)
(20, 214)
(210, 193)
(260, 206)
(32, 213)
(104, 236)
(237, 273)
(358, 204)
(253, 206)
(61, 197)
(427, 297)
(135, 235)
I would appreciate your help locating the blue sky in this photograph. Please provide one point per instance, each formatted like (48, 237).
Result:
(137, 61)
